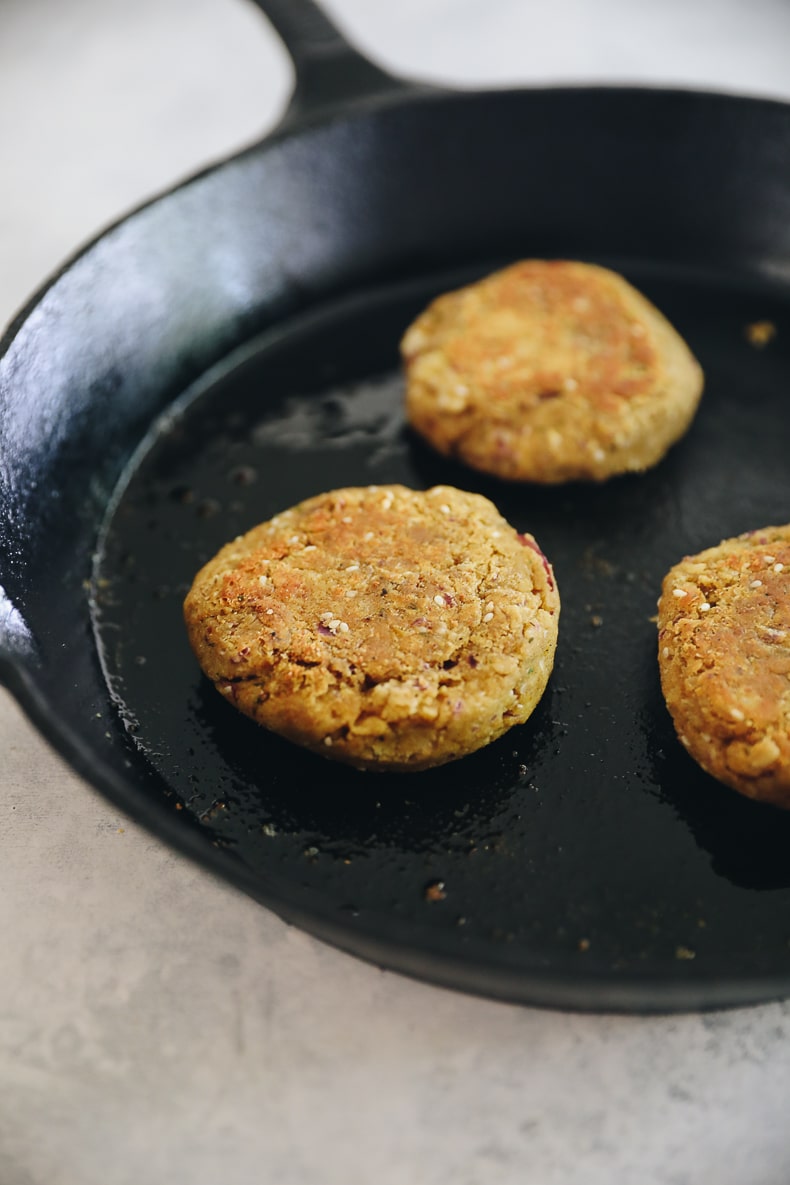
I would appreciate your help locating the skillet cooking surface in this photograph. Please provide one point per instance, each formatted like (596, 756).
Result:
(585, 859)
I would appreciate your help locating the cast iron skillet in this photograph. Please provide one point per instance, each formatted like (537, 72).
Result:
(232, 347)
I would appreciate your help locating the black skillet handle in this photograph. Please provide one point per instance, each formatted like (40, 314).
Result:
(329, 71)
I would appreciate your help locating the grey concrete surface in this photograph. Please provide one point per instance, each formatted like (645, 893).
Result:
(155, 1025)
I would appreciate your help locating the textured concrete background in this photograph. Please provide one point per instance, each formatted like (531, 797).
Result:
(158, 1027)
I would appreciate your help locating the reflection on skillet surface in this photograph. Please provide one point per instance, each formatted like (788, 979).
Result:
(585, 838)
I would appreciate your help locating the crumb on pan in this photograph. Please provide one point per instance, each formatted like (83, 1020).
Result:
(760, 333)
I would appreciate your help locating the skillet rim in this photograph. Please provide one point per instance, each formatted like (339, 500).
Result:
(289, 127)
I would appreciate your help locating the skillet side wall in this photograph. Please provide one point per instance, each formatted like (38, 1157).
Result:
(388, 192)
(421, 184)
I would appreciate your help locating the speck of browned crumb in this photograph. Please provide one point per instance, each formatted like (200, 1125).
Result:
(584, 944)
(759, 333)
(685, 952)
(596, 621)
(435, 891)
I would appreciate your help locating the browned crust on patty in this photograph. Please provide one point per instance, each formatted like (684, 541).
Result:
(389, 628)
(549, 371)
(724, 657)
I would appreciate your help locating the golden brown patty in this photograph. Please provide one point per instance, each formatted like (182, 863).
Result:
(385, 627)
(549, 371)
(724, 655)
